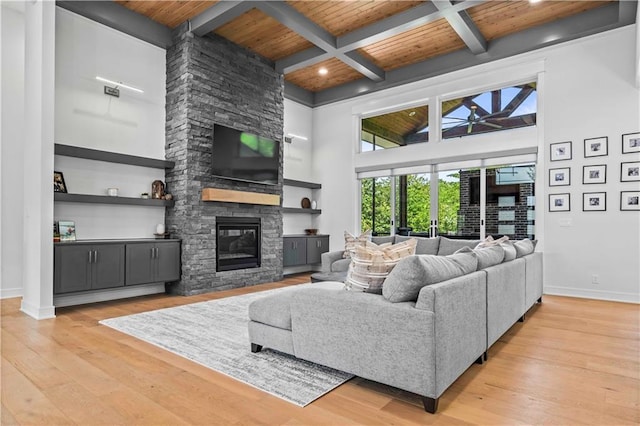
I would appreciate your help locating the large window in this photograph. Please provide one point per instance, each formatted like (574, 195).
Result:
(376, 205)
(395, 129)
(497, 110)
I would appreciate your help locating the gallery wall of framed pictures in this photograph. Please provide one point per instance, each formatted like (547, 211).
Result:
(595, 173)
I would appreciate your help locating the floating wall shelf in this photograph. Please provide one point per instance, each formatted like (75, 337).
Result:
(300, 210)
(302, 184)
(112, 157)
(103, 199)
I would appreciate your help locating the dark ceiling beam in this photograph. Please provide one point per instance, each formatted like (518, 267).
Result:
(302, 59)
(587, 23)
(463, 25)
(317, 35)
(113, 15)
(218, 15)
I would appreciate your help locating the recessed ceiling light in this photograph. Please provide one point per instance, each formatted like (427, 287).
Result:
(412, 113)
(323, 71)
(534, 1)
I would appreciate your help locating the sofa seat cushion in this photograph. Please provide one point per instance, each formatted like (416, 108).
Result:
(449, 246)
(424, 245)
(412, 273)
(275, 309)
(371, 264)
(383, 239)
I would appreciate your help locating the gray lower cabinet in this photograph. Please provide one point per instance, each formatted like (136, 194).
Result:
(304, 249)
(152, 262)
(295, 251)
(316, 245)
(88, 267)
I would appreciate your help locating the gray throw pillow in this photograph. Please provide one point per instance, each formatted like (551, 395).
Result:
(449, 246)
(425, 245)
(412, 273)
(523, 247)
(488, 256)
(509, 251)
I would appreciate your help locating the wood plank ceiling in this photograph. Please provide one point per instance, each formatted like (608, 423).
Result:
(258, 31)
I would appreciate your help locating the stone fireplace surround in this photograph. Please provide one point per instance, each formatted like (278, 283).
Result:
(211, 80)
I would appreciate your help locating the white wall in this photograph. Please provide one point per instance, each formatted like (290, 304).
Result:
(588, 90)
(131, 124)
(11, 152)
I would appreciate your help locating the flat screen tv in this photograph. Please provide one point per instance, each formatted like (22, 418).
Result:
(244, 156)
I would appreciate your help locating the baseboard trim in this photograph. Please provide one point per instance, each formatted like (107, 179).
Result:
(8, 293)
(82, 298)
(592, 294)
(37, 312)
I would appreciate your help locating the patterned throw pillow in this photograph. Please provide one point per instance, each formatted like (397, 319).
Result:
(371, 264)
(351, 242)
(489, 241)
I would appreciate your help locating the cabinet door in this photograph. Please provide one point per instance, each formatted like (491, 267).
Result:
(168, 261)
(108, 266)
(295, 251)
(315, 247)
(72, 270)
(140, 263)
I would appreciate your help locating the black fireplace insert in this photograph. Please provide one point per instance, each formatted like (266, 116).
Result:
(237, 243)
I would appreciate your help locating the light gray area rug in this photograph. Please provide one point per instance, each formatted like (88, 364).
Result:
(214, 334)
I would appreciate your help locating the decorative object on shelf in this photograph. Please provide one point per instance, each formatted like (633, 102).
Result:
(630, 172)
(168, 196)
(594, 201)
(311, 231)
(113, 192)
(157, 190)
(144, 195)
(559, 202)
(631, 143)
(67, 230)
(560, 177)
(58, 182)
(561, 151)
(314, 205)
(630, 200)
(594, 174)
(163, 236)
(56, 232)
(160, 228)
(596, 147)
(305, 203)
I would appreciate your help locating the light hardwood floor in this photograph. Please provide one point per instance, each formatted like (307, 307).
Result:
(573, 361)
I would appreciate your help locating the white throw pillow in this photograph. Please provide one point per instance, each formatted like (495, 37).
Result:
(351, 242)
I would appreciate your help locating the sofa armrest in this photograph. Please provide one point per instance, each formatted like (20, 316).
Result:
(329, 257)
(460, 308)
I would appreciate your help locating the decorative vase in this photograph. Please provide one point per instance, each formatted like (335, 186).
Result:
(157, 190)
(314, 205)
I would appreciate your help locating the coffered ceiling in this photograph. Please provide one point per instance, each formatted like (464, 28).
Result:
(366, 46)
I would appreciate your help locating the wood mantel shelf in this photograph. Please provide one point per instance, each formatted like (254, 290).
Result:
(242, 197)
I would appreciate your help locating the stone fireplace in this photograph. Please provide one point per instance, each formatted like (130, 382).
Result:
(211, 80)
(237, 243)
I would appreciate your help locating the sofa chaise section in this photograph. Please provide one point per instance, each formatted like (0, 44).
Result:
(421, 347)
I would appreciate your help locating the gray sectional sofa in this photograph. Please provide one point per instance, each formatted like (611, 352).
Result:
(421, 345)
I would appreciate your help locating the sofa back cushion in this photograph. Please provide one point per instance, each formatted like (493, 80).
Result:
(524, 247)
(449, 246)
(412, 273)
(371, 264)
(509, 251)
(488, 256)
(424, 245)
(383, 239)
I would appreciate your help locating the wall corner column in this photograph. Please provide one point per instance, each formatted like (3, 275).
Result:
(37, 300)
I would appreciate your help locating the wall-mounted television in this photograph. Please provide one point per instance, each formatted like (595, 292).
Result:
(244, 156)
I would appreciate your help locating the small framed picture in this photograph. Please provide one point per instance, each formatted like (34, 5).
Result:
(594, 201)
(67, 230)
(596, 147)
(560, 177)
(561, 151)
(630, 143)
(594, 174)
(630, 200)
(630, 172)
(58, 182)
(559, 202)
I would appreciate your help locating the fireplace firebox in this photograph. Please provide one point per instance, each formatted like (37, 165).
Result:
(237, 243)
